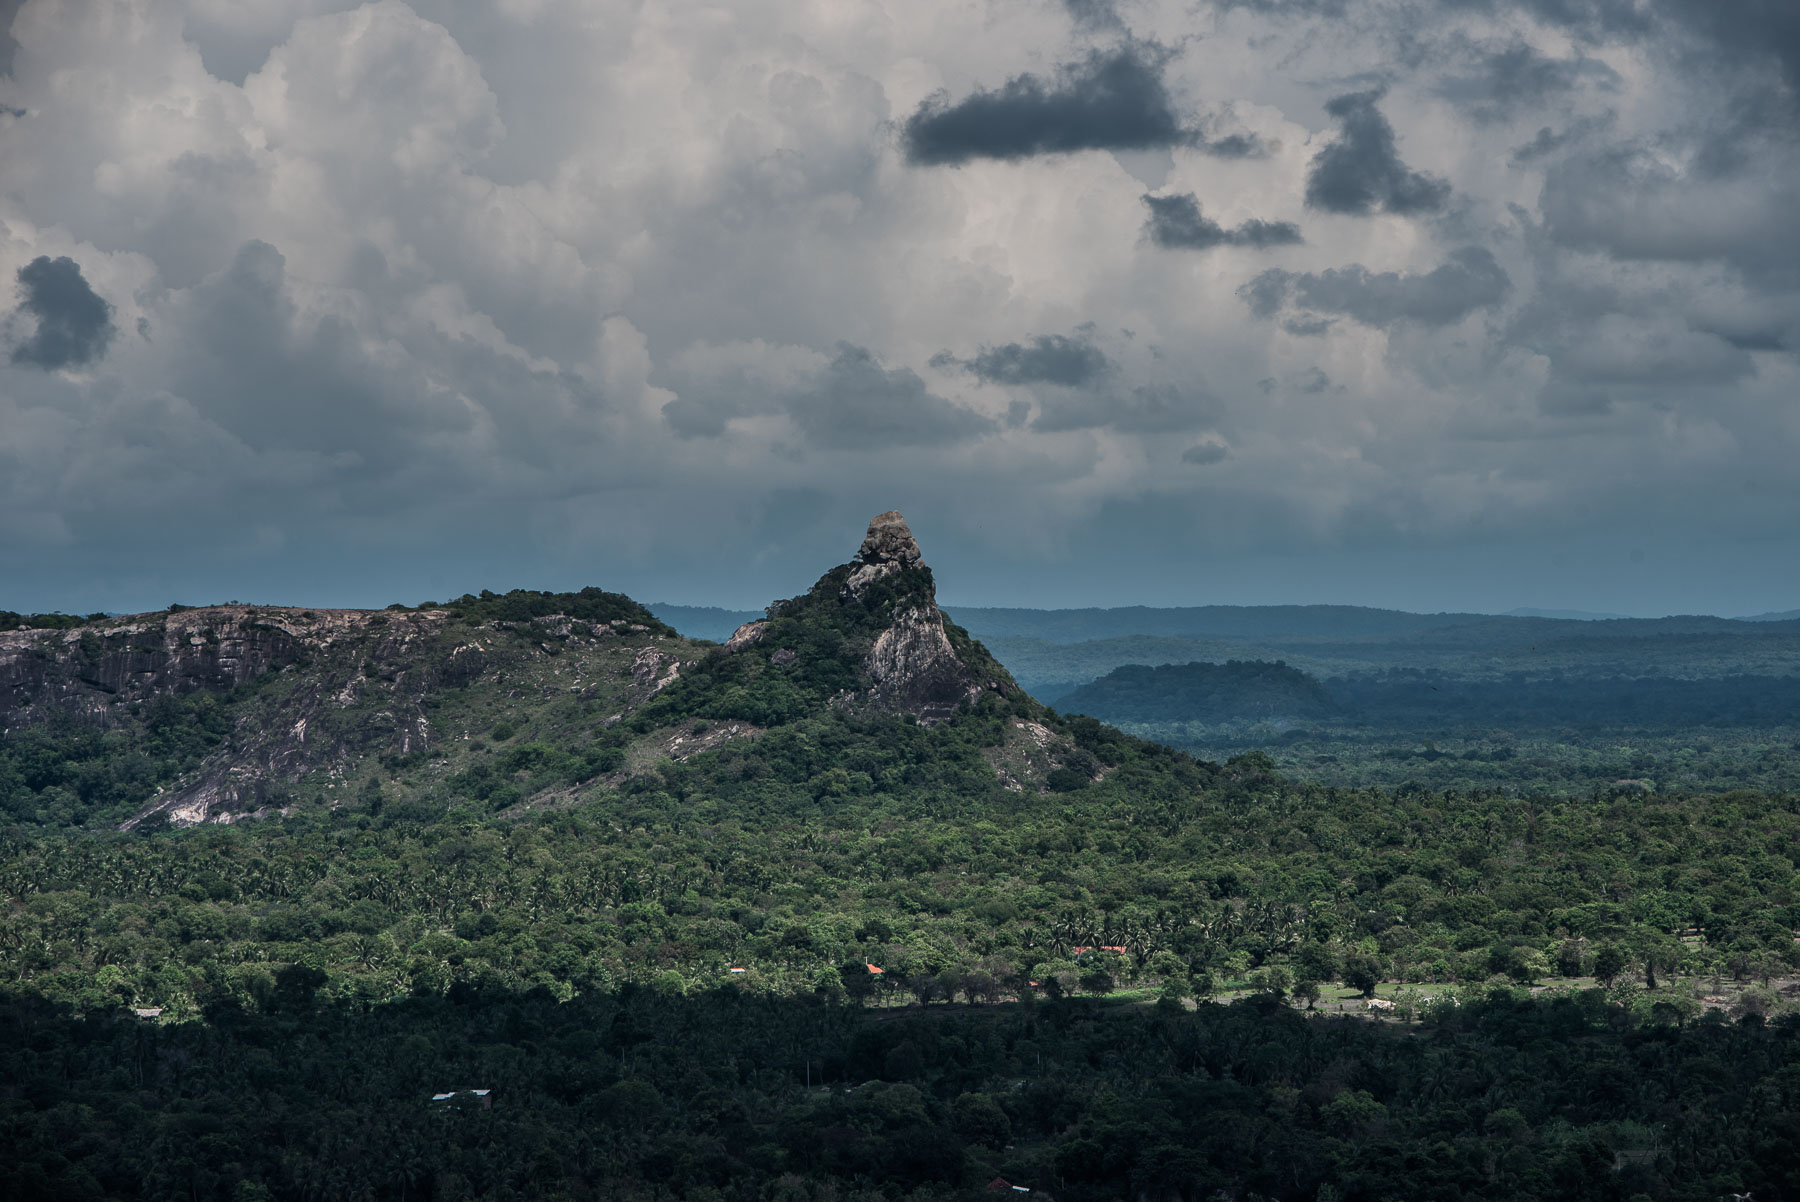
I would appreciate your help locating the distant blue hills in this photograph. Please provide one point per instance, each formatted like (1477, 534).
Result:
(1244, 622)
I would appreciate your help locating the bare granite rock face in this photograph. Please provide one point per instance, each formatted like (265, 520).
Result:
(913, 666)
(916, 670)
(329, 663)
(653, 670)
(888, 547)
(747, 635)
(311, 691)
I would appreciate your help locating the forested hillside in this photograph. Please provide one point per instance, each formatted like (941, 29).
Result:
(836, 910)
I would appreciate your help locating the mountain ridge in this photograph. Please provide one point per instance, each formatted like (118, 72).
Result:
(211, 714)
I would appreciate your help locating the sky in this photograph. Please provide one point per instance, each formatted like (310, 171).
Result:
(1425, 304)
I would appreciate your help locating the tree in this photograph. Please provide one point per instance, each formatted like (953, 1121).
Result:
(1315, 962)
(1527, 964)
(978, 1118)
(1569, 957)
(1362, 972)
(857, 980)
(1609, 962)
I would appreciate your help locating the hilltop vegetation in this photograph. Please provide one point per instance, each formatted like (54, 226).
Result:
(1234, 691)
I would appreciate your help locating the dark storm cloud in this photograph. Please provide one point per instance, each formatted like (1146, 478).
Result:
(1094, 14)
(1236, 146)
(1471, 280)
(1290, 8)
(1176, 221)
(1549, 141)
(1361, 171)
(1744, 33)
(1517, 76)
(284, 383)
(1307, 327)
(858, 404)
(1204, 453)
(1629, 203)
(1111, 100)
(1046, 359)
(74, 324)
(1755, 29)
(1598, 362)
(851, 402)
(9, 45)
(1147, 409)
(1267, 292)
(1312, 381)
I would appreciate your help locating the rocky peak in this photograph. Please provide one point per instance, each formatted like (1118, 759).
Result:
(887, 548)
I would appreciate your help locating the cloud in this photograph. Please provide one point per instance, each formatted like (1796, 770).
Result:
(1046, 359)
(1629, 202)
(857, 404)
(1176, 221)
(8, 44)
(1111, 100)
(1470, 280)
(1753, 29)
(1094, 14)
(846, 401)
(1361, 173)
(1209, 450)
(554, 299)
(1146, 409)
(74, 324)
(1517, 76)
(1547, 142)
(1307, 327)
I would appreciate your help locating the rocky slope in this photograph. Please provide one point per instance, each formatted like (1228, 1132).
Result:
(500, 701)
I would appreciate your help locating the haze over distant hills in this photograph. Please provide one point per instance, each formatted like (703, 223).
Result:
(1053, 652)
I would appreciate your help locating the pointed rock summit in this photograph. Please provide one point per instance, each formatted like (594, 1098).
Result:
(887, 548)
(880, 613)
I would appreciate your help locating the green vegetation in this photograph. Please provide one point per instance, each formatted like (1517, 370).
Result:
(55, 621)
(1529, 736)
(524, 605)
(646, 1094)
(74, 775)
(836, 841)
(1233, 691)
(634, 886)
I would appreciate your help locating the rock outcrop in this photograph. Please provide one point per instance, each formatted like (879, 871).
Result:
(882, 607)
(305, 693)
(888, 548)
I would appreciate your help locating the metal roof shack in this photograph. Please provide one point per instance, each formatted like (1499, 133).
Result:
(484, 1096)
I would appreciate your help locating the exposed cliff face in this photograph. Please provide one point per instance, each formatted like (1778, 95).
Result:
(319, 693)
(889, 547)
